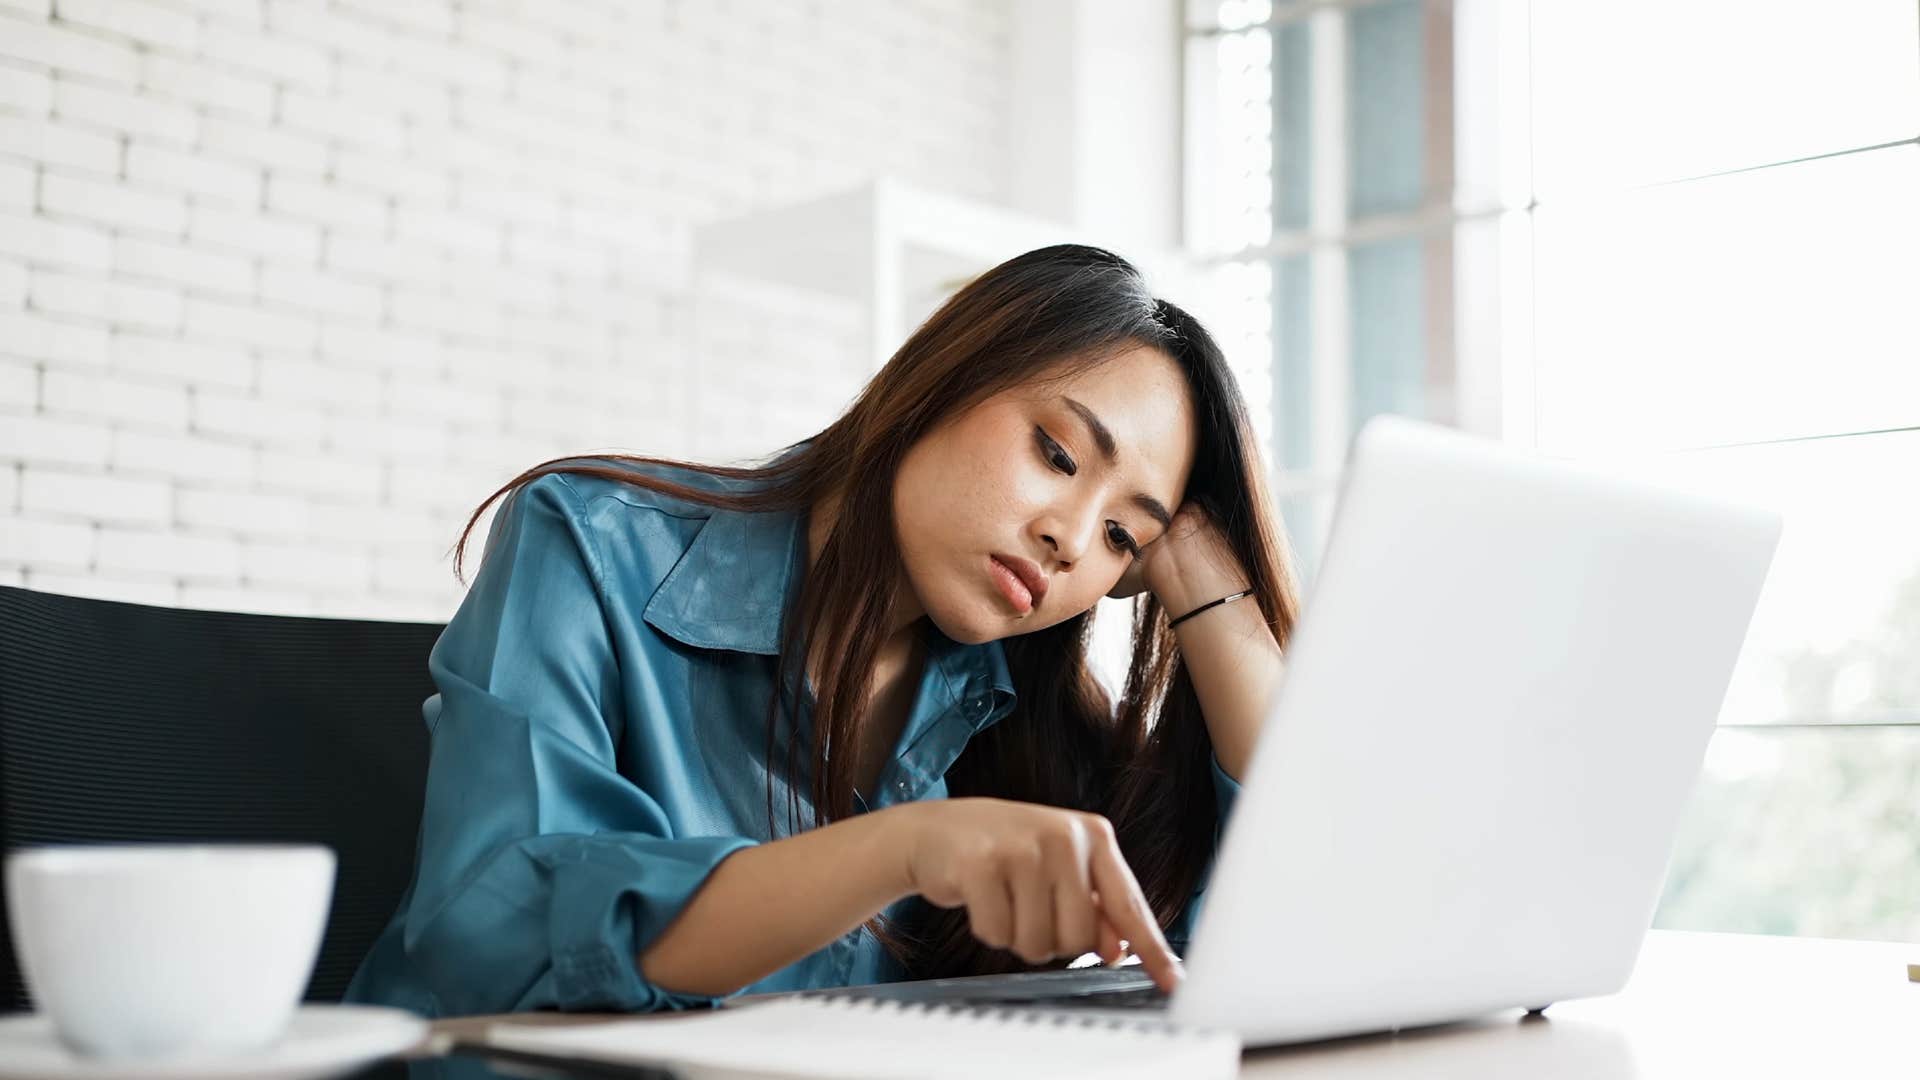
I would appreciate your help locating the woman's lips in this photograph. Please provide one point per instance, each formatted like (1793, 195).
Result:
(1022, 585)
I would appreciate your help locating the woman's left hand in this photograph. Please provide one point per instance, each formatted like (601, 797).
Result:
(1231, 655)
(1188, 565)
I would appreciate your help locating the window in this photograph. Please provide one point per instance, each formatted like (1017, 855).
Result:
(1684, 233)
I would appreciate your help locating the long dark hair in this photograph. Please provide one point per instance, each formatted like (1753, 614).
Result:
(1144, 764)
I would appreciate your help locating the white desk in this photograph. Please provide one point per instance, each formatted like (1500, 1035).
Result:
(1698, 1005)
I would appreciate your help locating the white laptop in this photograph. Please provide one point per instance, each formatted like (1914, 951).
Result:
(1496, 706)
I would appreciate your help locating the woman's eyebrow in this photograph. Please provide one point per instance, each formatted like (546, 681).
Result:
(1103, 438)
(1154, 509)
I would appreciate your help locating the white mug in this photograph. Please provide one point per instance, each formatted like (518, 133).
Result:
(146, 951)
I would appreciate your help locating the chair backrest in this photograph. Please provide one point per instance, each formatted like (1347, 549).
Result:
(124, 722)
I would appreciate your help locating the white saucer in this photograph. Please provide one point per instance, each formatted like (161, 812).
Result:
(321, 1040)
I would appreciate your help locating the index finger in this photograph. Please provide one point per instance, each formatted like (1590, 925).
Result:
(1127, 910)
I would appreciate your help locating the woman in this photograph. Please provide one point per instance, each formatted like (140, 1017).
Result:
(623, 814)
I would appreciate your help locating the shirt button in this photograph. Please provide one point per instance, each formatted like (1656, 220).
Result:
(900, 786)
(978, 706)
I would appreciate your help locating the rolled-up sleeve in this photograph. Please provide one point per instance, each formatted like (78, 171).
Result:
(1225, 790)
(543, 872)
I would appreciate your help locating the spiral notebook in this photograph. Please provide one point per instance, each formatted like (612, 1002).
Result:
(864, 1039)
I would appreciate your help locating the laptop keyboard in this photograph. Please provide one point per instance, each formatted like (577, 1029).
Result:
(1124, 987)
(1147, 997)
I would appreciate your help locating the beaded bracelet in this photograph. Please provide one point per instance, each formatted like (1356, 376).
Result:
(1210, 604)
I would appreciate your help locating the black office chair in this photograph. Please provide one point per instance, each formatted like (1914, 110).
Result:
(123, 722)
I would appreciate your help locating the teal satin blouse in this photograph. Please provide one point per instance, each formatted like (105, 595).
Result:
(599, 745)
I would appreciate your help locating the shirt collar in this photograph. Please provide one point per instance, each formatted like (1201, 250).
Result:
(731, 586)
(978, 682)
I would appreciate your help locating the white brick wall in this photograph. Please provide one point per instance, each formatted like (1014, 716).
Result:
(287, 287)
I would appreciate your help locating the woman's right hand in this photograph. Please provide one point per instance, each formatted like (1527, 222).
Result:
(1041, 881)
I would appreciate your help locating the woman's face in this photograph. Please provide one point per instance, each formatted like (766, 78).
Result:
(1024, 510)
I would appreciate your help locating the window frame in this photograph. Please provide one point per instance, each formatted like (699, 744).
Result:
(1493, 360)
